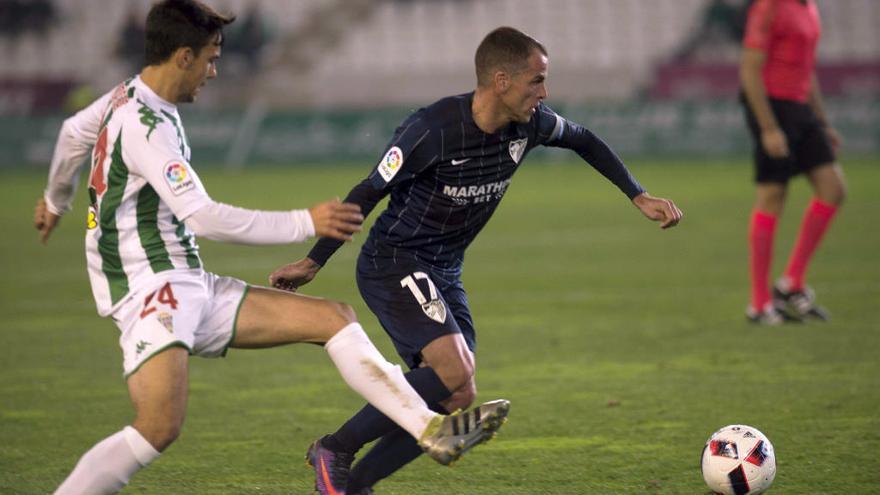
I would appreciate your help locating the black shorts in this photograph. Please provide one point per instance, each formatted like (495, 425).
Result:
(416, 303)
(807, 142)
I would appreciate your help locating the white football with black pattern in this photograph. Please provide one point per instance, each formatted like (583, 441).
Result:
(738, 460)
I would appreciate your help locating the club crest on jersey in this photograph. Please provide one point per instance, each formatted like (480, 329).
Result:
(517, 148)
(166, 320)
(178, 177)
(391, 163)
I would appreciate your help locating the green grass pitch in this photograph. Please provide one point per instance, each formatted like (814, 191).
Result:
(621, 347)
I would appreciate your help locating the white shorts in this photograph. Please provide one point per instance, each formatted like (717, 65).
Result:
(194, 311)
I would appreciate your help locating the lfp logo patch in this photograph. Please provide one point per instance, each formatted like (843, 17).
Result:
(176, 173)
(391, 163)
(178, 177)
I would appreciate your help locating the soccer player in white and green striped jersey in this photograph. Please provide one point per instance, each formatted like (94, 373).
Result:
(147, 205)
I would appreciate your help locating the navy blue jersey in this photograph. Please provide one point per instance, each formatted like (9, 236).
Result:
(446, 177)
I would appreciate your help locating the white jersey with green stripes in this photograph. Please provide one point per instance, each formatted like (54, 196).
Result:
(141, 188)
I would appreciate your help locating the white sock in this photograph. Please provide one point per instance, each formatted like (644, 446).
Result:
(383, 385)
(108, 466)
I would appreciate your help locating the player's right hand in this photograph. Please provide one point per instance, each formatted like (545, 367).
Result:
(294, 275)
(44, 220)
(658, 209)
(336, 220)
(774, 143)
(834, 138)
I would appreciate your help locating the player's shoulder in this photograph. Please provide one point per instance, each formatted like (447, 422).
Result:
(450, 105)
(546, 125)
(543, 111)
(445, 112)
(544, 118)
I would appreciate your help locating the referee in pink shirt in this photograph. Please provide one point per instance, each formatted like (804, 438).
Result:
(783, 107)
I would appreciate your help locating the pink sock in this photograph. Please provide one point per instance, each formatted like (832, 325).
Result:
(761, 231)
(816, 220)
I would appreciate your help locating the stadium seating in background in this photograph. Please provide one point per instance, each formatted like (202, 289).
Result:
(358, 53)
(327, 80)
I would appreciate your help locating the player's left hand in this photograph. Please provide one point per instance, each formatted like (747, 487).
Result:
(658, 209)
(44, 220)
(292, 276)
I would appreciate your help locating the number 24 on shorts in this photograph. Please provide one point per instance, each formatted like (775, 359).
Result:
(165, 296)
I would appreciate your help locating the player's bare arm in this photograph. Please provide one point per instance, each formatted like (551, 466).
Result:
(44, 220)
(816, 103)
(658, 209)
(772, 138)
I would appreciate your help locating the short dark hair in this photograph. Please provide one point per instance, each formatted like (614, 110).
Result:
(505, 48)
(172, 24)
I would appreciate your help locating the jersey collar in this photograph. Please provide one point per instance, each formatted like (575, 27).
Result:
(151, 97)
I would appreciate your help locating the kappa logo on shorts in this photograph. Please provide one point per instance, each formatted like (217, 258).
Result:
(178, 177)
(141, 347)
(433, 307)
(390, 164)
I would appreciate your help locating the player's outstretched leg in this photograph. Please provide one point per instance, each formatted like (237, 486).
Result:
(158, 391)
(448, 437)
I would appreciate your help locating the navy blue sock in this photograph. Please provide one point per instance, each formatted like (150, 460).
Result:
(369, 424)
(392, 452)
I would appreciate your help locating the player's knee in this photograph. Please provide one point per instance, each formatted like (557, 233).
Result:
(829, 184)
(347, 313)
(771, 202)
(341, 314)
(832, 195)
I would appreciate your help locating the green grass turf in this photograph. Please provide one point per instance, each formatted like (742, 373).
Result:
(621, 347)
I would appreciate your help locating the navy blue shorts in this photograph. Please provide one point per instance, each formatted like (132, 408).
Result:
(808, 144)
(416, 303)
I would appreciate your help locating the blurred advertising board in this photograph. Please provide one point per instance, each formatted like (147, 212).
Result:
(637, 129)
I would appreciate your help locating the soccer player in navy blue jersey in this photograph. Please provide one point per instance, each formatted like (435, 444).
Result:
(446, 169)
